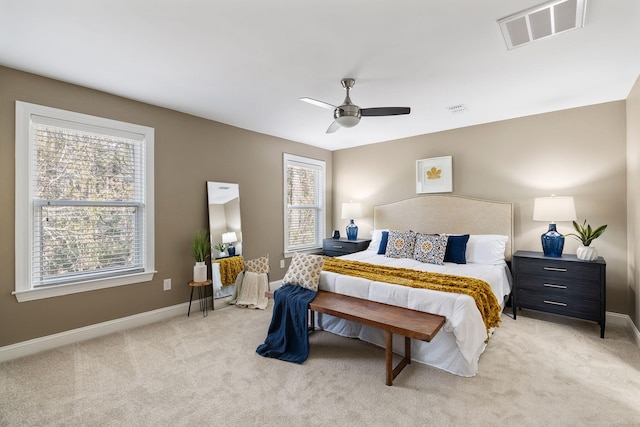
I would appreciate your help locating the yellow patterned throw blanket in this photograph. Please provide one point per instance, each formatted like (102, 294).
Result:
(229, 269)
(478, 289)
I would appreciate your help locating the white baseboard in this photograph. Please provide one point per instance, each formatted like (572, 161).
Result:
(625, 321)
(38, 345)
(275, 285)
(48, 342)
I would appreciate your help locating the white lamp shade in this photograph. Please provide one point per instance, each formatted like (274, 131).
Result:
(554, 208)
(229, 237)
(351, 210)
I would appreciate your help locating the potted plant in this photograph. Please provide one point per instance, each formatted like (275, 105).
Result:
(220, 247)
(201, 250)
(586, 235)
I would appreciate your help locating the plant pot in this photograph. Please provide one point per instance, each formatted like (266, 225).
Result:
(587, 253)
(200, 272)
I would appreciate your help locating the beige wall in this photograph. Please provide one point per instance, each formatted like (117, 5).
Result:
(188, 152)
(633, 200)
(579, 152)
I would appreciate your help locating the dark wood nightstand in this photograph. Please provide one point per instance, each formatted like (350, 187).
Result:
(337, 247)
(561, 285)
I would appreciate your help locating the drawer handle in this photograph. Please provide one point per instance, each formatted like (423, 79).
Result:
(338, 247)
(555, 269)
(549, 285)
(555, 303)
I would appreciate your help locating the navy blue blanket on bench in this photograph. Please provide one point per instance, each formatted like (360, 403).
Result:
(288, 338)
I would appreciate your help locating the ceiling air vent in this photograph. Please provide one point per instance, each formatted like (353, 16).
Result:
(456, 109)
(542, 21)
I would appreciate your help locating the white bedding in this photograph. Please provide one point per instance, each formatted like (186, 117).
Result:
(458, 346)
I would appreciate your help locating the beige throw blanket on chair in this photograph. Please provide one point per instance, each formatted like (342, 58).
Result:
(252, 291)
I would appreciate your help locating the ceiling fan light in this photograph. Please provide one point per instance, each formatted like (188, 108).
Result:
(348, 121)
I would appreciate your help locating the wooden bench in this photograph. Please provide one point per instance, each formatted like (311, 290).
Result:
(390, 318)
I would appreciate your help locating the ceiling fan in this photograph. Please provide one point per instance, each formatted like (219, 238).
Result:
(348, 114)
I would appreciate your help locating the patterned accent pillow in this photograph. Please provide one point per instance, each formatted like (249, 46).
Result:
(258, 265)
(430, 248)
(400, 244)
(304, 271)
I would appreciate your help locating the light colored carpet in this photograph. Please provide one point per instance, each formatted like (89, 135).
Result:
(539, 370)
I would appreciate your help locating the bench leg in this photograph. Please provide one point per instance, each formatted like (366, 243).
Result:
(392, 372)
(407, 349)
(312, 321)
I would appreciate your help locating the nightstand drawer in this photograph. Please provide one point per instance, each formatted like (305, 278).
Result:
(559, 269)
(338, 247)
(583, 309)
(558, 286)
(335, 251)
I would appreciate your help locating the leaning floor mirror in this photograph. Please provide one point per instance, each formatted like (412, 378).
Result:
(225, 230)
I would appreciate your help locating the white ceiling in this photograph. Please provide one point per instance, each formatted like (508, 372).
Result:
(246, 62)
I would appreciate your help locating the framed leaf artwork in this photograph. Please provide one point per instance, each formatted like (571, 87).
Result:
(434, 175)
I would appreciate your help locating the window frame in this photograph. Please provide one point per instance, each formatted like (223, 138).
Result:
(291, 159)
(24, 202)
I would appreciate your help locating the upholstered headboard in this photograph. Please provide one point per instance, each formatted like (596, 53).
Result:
(448, 214)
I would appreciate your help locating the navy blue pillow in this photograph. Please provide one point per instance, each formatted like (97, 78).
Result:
(456, 249)
(383, 243)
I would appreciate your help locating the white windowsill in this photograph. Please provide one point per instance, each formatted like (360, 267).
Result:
(313, 251)
(91, 285)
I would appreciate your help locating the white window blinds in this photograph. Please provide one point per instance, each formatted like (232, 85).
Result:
(304, 204)
(88, 201)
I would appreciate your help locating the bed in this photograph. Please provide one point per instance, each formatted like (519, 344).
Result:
(458, 346)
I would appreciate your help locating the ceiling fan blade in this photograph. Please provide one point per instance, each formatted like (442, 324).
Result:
(333, 127)
(318, 103)
(385, 111)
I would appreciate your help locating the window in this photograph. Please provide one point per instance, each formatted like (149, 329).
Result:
(304, 209)
(84, 202)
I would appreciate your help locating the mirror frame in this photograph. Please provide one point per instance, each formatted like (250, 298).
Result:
(223, 202)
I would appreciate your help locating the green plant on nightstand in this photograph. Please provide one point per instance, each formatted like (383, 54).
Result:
(201, 250)
(586, 235)
(220, 247)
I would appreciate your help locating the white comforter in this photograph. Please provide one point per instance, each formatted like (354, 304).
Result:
(456, 348)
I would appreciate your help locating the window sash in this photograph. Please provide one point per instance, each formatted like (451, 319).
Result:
(72, 161)
(64, 254)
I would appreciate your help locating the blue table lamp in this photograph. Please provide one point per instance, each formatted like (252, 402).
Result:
(552, 209)
(350, 211)
(229, 238)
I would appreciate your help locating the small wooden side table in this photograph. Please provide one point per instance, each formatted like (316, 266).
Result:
(202, 295)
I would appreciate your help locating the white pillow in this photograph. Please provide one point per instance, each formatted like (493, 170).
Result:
(376, 238)
(486, 248)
